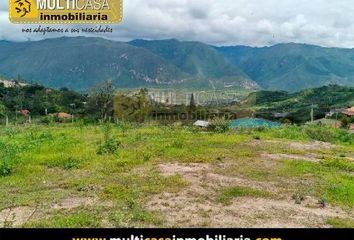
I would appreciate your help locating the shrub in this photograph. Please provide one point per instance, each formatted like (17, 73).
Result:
(288, 132)
(7, 158)
(219, 125)
(320, 133)
(109, 145)
(123, 126)
(328, 134)
(65, 162)
(46, 120)
(5, 168)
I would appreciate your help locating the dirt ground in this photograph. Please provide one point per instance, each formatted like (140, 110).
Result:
(195, 206)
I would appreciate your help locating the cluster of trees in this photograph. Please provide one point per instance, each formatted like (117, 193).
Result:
(99, 104)
(39, 100)
(102, 103)
(300, 107)
(134, 107)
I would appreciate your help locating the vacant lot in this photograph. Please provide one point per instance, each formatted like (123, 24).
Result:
(174, 176)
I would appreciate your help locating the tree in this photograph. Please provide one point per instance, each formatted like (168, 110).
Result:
(100, 103)
(134, 108)
(143, 105)
(192, 105)
(3, 110)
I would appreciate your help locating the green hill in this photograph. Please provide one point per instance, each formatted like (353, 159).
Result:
(298, 105)
(80, 63)
(294, 67)
(199, 60)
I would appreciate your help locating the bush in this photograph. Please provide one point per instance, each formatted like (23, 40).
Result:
(328, 134)
(7, 158)
(5, 168)
(110, 145)
(46, 120)
(219, 125)
(65, 162)
(320, 133)
(123, 126)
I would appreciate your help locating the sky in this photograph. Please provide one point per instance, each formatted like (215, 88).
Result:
(224, 22)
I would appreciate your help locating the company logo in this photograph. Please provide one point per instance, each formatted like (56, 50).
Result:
(66, 11)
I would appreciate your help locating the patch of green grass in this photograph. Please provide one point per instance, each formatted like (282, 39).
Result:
(340, 164)
(135, 215)
(340, 222)
(339, 189)
(233, 192)
(298, 168)
(80, 219)
(310, 132)
(327, 182)
(65, 162)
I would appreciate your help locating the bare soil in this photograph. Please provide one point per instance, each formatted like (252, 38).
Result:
(197, 205)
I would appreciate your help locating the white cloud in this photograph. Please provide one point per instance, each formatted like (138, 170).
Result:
(227, 22)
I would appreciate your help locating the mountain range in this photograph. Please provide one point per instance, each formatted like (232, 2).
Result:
(80, 63)
(293, 67)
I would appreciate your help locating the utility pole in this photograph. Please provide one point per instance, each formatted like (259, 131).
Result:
(312, 106)
(7, 120)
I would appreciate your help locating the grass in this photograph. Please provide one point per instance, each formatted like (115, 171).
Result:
(81, 219)
(332, 182)
(341, 223)
(314, 133)
(43, 165)
(234, 192)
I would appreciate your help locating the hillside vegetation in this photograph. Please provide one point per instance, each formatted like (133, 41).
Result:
(298, 105)
(293, 67)
(81, 63)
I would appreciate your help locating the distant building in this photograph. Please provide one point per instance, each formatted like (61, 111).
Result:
(11, 83)
(25, 112)
(333, 112)
(61, 115)
(201, 123)
(280, 115)
(349, 112)
(351, 127)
